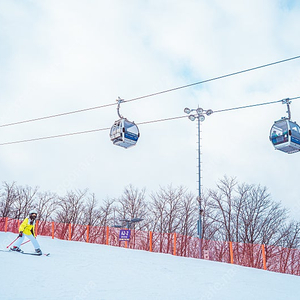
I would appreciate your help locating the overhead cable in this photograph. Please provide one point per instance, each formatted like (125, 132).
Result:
(82, 132)
(253, 105)
(140, 123)
(57, 115)
(214, 78)
(53, 136)
(151, 95)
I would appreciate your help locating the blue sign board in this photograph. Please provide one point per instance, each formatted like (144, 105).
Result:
(124, 235)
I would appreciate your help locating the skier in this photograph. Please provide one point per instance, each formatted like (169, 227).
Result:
(27, 229)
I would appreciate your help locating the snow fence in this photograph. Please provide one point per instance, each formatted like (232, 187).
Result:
(272, 258)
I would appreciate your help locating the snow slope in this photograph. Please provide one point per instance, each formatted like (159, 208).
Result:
(88, 271)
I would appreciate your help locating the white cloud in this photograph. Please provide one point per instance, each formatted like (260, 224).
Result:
(67, 55)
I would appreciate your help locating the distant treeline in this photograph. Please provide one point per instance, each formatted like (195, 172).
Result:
(231, 212)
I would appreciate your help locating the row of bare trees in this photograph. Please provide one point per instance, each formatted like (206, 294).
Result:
(231, 212)
(246, 213)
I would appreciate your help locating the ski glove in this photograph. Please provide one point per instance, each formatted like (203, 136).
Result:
(20, 233)
(32, 232)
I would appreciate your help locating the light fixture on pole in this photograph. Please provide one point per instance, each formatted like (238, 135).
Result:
(127, 223)
(199, 114)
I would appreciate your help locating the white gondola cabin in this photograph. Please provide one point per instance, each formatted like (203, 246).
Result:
(124, 133)
(285, 136)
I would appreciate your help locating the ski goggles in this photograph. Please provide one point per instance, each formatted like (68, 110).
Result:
(33, 215)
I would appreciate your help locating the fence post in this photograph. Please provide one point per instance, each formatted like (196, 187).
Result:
(174, 249)
(264, 256)
(5, 228)
(70, 232)
(52, 230)
(231, 252)
(107, 235)
(87, 233)
(150, 241)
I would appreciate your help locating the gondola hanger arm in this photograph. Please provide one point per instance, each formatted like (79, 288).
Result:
(119, 100)
(287, 101)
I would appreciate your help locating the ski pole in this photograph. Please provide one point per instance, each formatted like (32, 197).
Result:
(25, 243)
(12, 242)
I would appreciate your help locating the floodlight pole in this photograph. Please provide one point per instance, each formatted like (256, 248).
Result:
(199, 192)
(199, 115)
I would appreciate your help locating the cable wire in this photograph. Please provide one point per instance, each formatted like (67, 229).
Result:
(253, 105)
(151, 95)
(57, 115)
(214, 78)
(53, 136)
(140, 123)
(84, 132)
(161, 120)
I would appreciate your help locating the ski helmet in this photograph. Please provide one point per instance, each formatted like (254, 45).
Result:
(33, 211)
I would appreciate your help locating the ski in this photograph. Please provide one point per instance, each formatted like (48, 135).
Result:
(27, 253)
(36, 254)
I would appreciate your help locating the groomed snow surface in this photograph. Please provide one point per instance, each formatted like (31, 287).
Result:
(76, 270)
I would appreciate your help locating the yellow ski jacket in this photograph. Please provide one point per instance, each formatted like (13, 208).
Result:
(26, 228)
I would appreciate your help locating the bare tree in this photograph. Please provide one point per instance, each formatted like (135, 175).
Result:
(25, 199)
(289, 236)
(245, 213)
(166, 209)
(106, 213)
(188, 215)
(222, 207)
(261, 217)
(70, 209)
(46, 204)
(132, 205)
(91, 212)
(209, 226)
(7, 198)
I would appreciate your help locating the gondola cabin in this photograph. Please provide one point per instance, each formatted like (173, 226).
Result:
(124, 133)
(285, 136)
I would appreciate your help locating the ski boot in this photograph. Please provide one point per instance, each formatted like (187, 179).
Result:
(38, 251)
(15, 248)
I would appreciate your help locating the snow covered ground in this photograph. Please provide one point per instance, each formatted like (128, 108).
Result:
(88, 271)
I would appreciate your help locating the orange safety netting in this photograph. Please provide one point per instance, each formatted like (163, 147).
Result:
(272, 258)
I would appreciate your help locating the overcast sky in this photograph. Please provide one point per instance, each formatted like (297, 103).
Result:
(62, 56)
